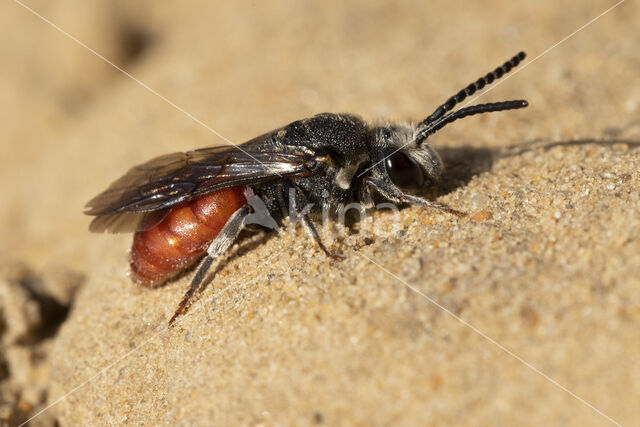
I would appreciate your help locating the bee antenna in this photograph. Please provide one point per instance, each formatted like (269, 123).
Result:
(489, 78)
(469, 111)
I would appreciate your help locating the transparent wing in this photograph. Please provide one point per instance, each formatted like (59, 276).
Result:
(142, 197)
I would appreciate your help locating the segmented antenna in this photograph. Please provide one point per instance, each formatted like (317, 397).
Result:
(470, 111)
(438, 119)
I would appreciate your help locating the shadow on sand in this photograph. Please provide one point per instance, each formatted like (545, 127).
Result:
(463, 163)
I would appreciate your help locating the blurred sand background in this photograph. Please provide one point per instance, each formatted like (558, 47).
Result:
(547, 264)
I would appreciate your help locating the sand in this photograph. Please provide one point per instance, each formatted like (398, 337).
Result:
(527, 311)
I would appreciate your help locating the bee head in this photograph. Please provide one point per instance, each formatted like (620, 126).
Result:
(403, 162)
(402, 155)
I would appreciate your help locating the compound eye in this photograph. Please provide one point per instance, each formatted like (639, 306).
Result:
(404, 172)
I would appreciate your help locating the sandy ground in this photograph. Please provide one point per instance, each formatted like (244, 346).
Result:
(538, 290)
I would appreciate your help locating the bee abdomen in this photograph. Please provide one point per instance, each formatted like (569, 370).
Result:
(182, 236)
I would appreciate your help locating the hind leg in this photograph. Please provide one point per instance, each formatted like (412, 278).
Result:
(220, 244)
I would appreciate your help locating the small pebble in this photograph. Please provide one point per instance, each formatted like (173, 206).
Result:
(481, 216)
(478, 200)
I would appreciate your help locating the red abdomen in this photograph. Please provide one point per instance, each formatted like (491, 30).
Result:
(182, 237)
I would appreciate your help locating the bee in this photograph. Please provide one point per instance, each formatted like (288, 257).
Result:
(191, 206)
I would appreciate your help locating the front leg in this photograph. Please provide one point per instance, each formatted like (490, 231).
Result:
(395, 195)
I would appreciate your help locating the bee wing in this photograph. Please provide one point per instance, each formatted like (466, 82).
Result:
(142, 197)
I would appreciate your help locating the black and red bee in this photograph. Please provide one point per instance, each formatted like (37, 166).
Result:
(184, 205)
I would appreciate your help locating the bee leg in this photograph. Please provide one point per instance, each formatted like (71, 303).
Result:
(298, 198)
(220, 244)
(394, 194)
(430, 204)
(311, 229)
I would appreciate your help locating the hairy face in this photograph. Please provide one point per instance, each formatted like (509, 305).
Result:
(399, 160)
